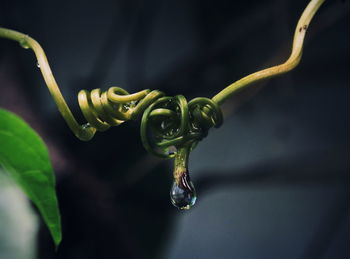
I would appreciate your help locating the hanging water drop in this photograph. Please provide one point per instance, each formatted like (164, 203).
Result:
(183, 194)
(37, 64)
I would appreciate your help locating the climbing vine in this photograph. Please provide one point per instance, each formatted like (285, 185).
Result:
(170, 126)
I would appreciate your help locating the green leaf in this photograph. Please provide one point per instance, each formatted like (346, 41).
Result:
(24, 156)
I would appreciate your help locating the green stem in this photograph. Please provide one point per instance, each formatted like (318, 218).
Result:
(83, 133)
(291, 62)
(181, 162)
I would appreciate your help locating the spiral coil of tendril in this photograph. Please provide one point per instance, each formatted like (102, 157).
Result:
(172, 122)
(166, 122)
(111, 108)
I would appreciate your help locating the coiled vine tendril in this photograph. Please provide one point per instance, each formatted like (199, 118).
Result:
(172, 122)
(166, 121)
(170, 126)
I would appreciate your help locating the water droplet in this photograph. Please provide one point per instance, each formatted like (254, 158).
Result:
(163, 125)
(23, 43)
(170, 132)
(37, 64)
(126, 107)
(86, 126)
(171, 150)
(182, 193)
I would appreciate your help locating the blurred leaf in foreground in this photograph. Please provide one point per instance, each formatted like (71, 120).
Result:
(24, 156)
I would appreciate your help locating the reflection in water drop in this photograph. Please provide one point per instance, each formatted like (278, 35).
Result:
(182, 193)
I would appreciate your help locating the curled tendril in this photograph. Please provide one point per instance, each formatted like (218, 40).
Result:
(172, 122)
(167, 121)
(111, 108)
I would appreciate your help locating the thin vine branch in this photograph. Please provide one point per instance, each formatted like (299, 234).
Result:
(27, 42)
(287, 66)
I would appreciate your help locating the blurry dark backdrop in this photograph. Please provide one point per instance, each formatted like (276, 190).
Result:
(272, 182)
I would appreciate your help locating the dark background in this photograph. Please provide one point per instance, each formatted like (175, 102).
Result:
(272, 182)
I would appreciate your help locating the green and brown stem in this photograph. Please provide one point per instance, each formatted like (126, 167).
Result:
(181, 163)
